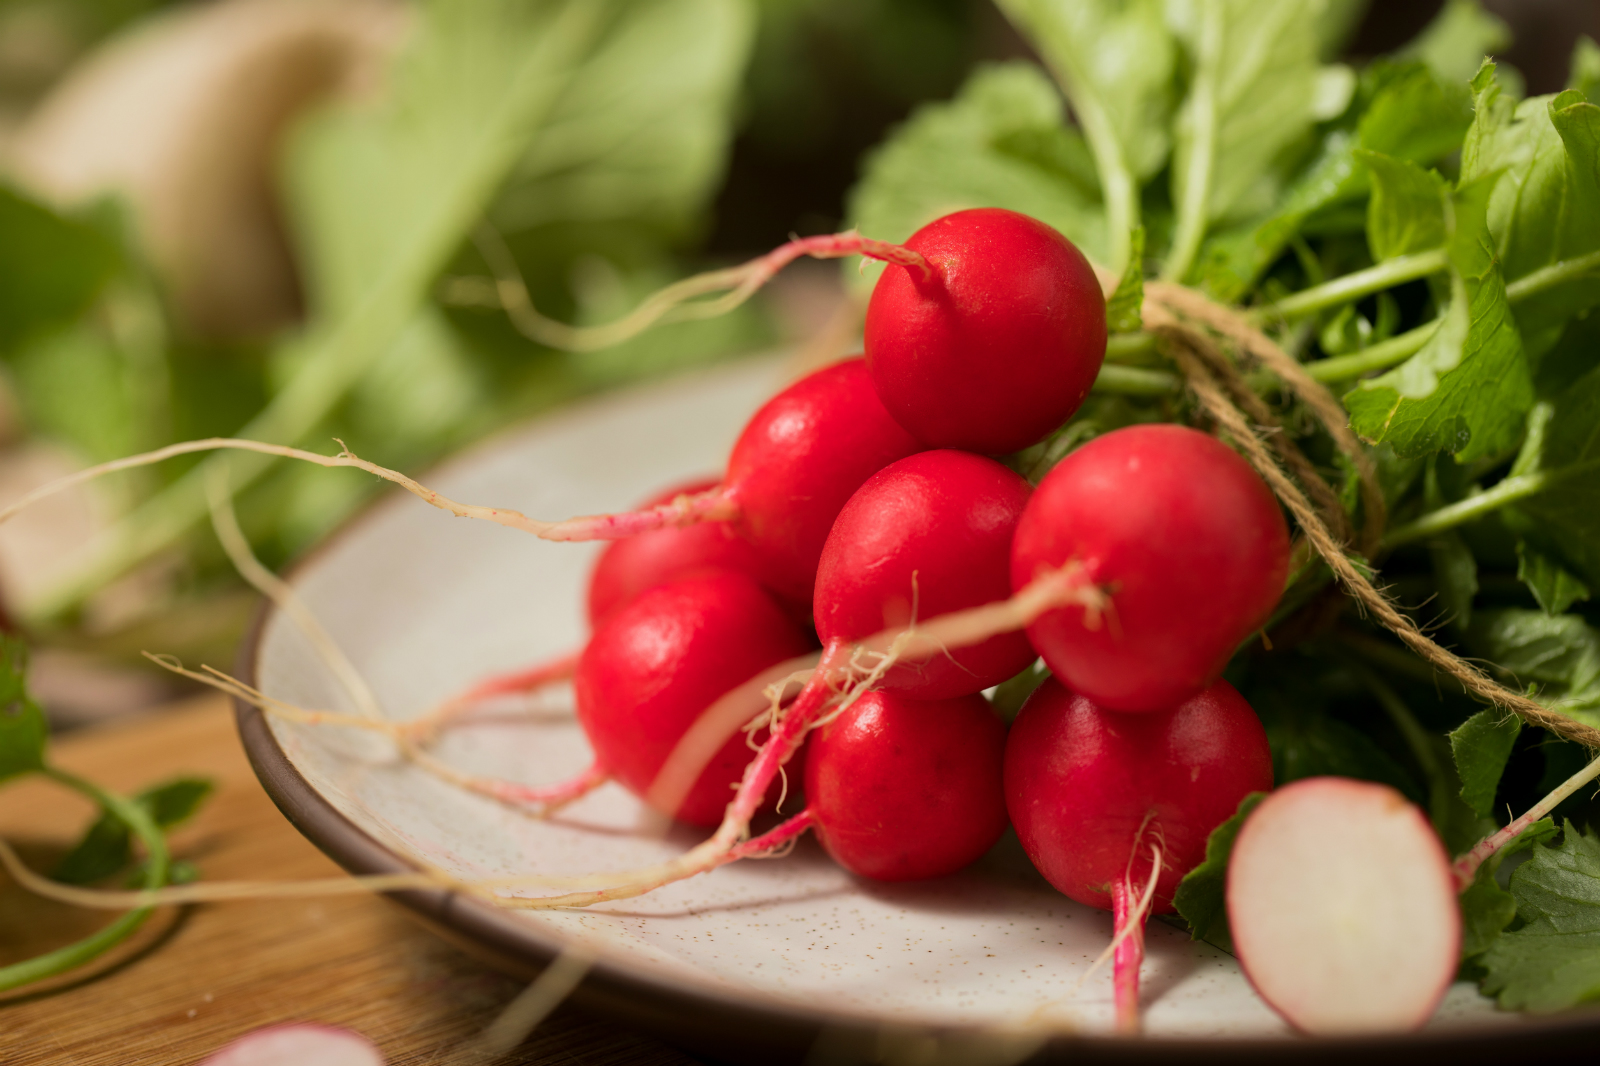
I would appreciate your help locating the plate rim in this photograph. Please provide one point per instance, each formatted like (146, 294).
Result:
(709, 1022)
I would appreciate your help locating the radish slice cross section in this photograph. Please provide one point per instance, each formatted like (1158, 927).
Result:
(1342, 907)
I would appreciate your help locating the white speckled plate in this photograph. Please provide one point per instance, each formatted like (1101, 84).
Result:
(752, 961)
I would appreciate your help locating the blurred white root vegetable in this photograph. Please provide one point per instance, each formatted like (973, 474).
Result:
(298, 1045)
(1343, 907)
(182, 116)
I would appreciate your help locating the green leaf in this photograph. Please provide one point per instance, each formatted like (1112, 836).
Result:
(1583, 74)
(23, 730)
(1201, 897)
(51, 266)
(1552, 586)
(106, 846)
(1458, 38)
(1561, 655)
(948, 156)
(1481, 745)
(1486, 908)
(1253, 92)
(1123, 309)
(1406, 211)
(642, 130)
(1563, 520)
(1468, 388)
(176, 800)
(1455, 571)
(1401, 110)
(1552, 961)
(1545, 210)
(1115, 62)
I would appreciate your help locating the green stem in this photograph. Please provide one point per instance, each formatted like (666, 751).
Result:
(1551, 276)
(90, 947)
(336, 358)
(1473, 507)
(1195, 191)
(1129, 347)
(1380, 356)
(1136, 381)
(1353, 286)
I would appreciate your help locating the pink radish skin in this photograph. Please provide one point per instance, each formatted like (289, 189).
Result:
(1096, 796)
(1000, 346)
(657, 663)
(1342, 906)
(933, 529)
(802, 455)
(1186, 539)
(630, 567)
(300, 1044)
(902, 789)
(1085, 785)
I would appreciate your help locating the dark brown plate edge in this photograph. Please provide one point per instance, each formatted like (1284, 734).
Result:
(757, 1030)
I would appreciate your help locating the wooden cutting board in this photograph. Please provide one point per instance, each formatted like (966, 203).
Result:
(197, 977)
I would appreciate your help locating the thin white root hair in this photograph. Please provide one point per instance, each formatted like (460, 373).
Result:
(226, 524)
(1140, 911)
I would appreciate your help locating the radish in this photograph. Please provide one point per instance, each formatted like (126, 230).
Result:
(1185, 539)
(925, 536)
(630, 567)
(794, 465)
(1114, 809)
(302, 1043)
(902, 789)
(656, 664)
(999, 346)
(1342, 906)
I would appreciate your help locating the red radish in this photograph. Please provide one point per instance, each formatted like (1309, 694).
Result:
(925, 536)
(902, 789)
(629, 567)
(1095, 795)
(653, 666)
(999, 346)
(302, 1044)
(1184, 537)
(1342, 906)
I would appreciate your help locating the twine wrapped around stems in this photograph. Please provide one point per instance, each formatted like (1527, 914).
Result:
(1188, 325)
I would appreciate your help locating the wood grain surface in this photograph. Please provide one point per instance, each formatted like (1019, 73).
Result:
(195, 978)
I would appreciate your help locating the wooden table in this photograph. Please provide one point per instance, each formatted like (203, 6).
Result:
(196, 977)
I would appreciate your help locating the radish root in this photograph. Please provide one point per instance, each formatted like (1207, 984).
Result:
(509, 292)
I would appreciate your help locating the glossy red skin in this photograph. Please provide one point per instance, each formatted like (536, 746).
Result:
(660, 661)
(1188, 541)
(936, 525)
(999, 347)
(799, 458)
(906, 789)
(1081, 780)
(629, 567)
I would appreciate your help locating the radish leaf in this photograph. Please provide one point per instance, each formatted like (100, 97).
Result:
(1551, 585)
(1560, 654)
(1406, 211)
(1486, 908)
(950, 156)
(1481, 745)
(1201, 897)
(1552, 960)
(22, 725)
(1468, 388)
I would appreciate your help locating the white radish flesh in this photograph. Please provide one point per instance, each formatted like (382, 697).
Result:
(1343, 908)
(300, 1045)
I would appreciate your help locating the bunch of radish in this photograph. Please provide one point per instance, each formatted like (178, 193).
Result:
(866, 500)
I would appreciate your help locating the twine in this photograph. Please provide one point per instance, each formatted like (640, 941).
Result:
(1166, 307)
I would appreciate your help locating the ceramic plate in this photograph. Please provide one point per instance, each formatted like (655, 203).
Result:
(760, 959)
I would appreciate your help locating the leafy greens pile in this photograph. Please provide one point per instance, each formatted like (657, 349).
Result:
(589, 134)
(1425, 242)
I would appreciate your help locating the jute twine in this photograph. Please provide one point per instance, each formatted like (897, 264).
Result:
(1188, 325)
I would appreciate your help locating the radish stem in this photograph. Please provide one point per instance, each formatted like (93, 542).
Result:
(1466, 867)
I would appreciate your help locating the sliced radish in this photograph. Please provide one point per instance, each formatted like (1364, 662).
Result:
(1342, 907)
(298, 1045)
